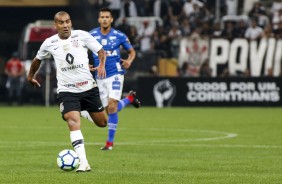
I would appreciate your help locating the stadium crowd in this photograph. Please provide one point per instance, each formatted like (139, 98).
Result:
(194, 19)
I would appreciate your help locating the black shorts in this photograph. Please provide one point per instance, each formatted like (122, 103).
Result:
(88, 100)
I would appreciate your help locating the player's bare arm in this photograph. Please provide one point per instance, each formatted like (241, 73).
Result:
(101, 72)
(126, 63)
(33, 69)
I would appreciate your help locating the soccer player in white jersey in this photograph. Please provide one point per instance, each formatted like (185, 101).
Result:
(111, 87)
(77, 90)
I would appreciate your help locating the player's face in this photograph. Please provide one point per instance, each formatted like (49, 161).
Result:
(63, 25)
(105, 19)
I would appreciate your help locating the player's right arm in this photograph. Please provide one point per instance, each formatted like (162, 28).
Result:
(33, 69)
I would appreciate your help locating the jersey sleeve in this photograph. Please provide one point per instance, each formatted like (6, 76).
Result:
(125, 42)
(42, 52)
(90, 42)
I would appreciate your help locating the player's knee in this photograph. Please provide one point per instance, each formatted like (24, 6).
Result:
(102, 123)
(112, 109)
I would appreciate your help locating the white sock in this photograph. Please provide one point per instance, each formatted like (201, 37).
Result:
(78, 145)
(86, 115)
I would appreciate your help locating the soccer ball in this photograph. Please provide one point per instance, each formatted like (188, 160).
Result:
(67, 160)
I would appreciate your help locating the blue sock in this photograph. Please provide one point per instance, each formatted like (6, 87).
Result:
(112, 126)
(122, 103)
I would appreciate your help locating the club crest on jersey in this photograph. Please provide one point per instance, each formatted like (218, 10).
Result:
(104, 42)
(75, 43)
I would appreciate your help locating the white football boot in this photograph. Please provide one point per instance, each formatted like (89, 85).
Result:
(84, 167)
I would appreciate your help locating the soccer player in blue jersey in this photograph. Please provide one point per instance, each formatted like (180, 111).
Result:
(111, 87)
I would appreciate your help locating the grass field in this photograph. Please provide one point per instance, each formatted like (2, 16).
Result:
(173, 145)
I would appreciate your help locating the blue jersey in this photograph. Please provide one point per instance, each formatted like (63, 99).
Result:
(111, 44)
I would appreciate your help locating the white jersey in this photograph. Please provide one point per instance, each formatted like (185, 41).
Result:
(71, 60)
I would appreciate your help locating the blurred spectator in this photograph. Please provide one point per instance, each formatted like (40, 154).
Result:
(133, 37)
(154, 71)
(276, 6)
(185, 27)
(224, 73)
(258, 12)
(115, 6)
(14, 69)
(128, 9)
(232, 7)
(144, 7)
(175, 10)
(207, 15)
(160, 10)
(268, 32)
(174, 35)
(240, 29)
(254, 32)
(217, 31)
(185, 70)
(276, 19)
(155, 40)
(144, 34)
(206, 30)
(278, 32)
(229, 31)
(188, 7)
(162, 46)
(196, 16)
(124, 26)
(205, 70)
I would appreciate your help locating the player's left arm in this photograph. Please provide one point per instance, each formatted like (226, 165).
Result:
(126, 63)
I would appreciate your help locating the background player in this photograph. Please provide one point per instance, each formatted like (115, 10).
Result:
(111, 87)
(77, 90)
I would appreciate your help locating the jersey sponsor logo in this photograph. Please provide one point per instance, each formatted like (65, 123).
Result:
(116, 85)
(64, 69)
(111, 52)
(112, 37)
(81, 83)
(78, 84)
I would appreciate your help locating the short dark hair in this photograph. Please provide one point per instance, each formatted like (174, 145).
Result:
(105, 9)
(59, 14)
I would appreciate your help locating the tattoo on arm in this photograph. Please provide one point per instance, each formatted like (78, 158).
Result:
(102, 56)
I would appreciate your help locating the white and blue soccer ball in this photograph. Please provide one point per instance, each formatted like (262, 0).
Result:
(67, 160)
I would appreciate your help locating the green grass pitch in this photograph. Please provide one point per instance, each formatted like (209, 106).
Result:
(171, 145)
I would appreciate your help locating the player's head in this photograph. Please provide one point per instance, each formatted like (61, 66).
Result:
(105, 17)
(62, 23)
